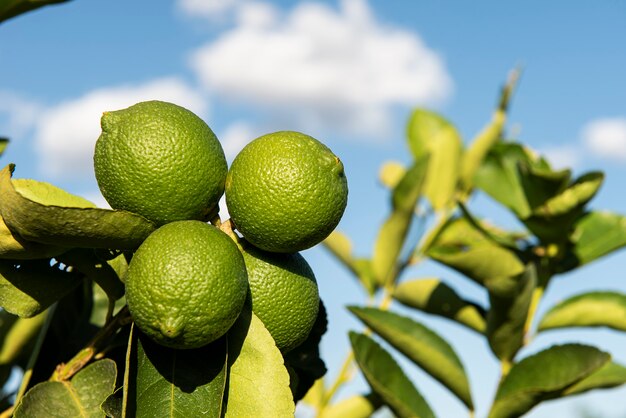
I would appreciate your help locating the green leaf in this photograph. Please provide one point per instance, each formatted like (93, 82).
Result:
(488, 137)
(258, 380)
(435, 297)
(305, 359)
(113, 405)
(80, 397)
(17, 335)
(43, 213)
(87, 262)
(176, 383)
(423, 346)
(4, 142)
(12, 8)
(507, 316)
(387, 379)
(28, 287)
(393, 232)
(431, 134)
(391, 173)
(578, 194)
(543, 376)
(341, 247)
(14, 247)
(594, 309)
(608, 376)
(357, 406)
(595, 235)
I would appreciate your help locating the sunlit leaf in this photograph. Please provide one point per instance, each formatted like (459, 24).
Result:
(341, 247)
(43, 213)
(393, 232)
(387, 379)
(435, 297)
(391, 173)
(14, 247)
(608, 376)
(488, 137)
(12, 8)
(176, 383)
(578, 193)
(594, 309)
(543, 376)
(422, 345)
(357, 406)
(508, 314)
(18, 334)
(28, 287)
(80, 397)
(595, 235)
(258, 381)
(431, 134)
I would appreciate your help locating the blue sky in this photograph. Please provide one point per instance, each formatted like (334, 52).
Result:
(347, 72)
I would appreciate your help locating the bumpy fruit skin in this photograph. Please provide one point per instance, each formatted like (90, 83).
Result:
(286, 191)
(161, 161)
(186, 284)
(284, 295)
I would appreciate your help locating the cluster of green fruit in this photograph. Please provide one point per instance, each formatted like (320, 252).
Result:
(189, 280)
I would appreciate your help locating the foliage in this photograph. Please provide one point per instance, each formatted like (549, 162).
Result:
(64, 322)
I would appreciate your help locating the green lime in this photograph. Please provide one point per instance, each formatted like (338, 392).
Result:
(161, 161)
(284, 294)
(286, 191)
(186, 284)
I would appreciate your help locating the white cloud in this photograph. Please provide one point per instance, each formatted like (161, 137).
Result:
(211, 9)
(235, 137)
(315, 65)
(562, 156)
(65, 134)
(606, 138)
(20, 113)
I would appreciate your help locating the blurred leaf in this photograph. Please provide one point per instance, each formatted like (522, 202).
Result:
(305, 359)
(14, 247)
(594, 309)
(431, 134)
(80, 397)
(423, 346)
(4, 142)
(28, 287)
(258, 381)
(507, 316)
(387, 379)
(12, 8)
(608, 376)
(595, 235)
(495, 235)
(437, 298)
(176, 383)
(391, 173)
(357, 406)
(341, 247)
(393, 232)
(579, 193)
(43, 213)
(475, 154)
(543, 376)
(16, 335)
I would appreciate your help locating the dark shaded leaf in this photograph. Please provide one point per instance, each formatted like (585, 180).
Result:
(14, 247)
(507, 316)
(543, 376)
(80, 397)
(4, 142)
(594, 309)
(435, 297)
(28, 287)
(43, 213)
(387, 379)
(12, 8)
(16, 335)
(113, 405)
(422, 345)
(176, 383)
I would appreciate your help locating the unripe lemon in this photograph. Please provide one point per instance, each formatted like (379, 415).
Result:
(286, 191)
(186, 284)
(161, 161)
(284, 294)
